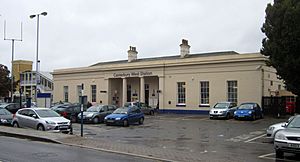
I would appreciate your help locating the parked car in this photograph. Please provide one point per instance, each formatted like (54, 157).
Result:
(288, 139)
(5, 117)
(125, 116)
(248, 110)
(273, 129)
(69, 111)
(11, 107)
(144, 107)
(222, 110)
(97, 113)
(43, 119)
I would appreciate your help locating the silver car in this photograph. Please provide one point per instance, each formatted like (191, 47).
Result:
(222, 110)
(43, 119)
(273, 129)
(288, 139)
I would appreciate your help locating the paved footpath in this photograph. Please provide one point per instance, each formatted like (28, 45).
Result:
(159, 154)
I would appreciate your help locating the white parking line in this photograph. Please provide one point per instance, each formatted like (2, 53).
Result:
(255, 138)
(266, 156)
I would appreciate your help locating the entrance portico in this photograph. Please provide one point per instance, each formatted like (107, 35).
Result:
(125, 88)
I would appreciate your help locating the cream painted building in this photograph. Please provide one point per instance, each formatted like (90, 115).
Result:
(185, 82)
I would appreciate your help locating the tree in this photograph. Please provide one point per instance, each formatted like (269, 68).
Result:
(282, 42)
(5, 81)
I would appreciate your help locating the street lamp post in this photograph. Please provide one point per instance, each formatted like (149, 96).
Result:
(37, 49)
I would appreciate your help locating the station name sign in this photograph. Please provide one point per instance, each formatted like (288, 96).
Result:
(133, 74)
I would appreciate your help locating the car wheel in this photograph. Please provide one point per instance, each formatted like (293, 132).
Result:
(141, 121)
(96, 120)
(40, 127)
(254, 117)
(279, 154)
(151, 112)
(125, 123)
(16, 125)
(228, 116)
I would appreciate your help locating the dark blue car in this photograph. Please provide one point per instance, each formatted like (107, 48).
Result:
(248, 110)
(125, 116)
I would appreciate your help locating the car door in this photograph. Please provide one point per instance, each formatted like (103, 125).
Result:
(231, 109)
(144, 108)
(103, 112)
(132, 115)
(22, 117)
(32, 121)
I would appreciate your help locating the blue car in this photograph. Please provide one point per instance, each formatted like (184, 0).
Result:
(248, 110)
(125, 116)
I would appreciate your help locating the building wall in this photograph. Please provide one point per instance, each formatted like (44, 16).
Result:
(20, 66)
(249, 70)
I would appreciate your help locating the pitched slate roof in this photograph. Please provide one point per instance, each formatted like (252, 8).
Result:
(169, 57)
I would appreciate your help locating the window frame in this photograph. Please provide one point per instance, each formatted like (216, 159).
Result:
(232, 91)
(181, 94)
(94, 93)
(204, 91)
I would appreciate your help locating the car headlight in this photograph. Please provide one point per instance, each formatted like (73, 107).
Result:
(271, 128)
(250, 112)
(235, 113)
(280, 136)
(50, 122)
(3, 120)
(105, 118)
(89, 115)
(118, 118)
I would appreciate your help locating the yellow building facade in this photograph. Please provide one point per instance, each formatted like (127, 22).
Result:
(184, 82)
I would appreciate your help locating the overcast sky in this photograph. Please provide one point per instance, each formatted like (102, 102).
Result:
(79, 33)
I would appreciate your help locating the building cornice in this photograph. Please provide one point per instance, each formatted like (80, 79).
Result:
(166, 63)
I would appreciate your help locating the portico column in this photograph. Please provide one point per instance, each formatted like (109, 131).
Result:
(142, 89)
(161, 87)
(124, 97)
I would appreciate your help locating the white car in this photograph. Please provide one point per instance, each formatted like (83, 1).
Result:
(273, 129)
(43, 119)
(288, 139)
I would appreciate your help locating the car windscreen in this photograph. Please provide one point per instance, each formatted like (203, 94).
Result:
(4, 112)
(221, 106)
(295, 123)
(95, 108)
(246, 106)
(47, 113)
(127, 104)
(121, 111)
(3, 105)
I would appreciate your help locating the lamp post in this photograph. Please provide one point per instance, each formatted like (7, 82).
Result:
(37, 49)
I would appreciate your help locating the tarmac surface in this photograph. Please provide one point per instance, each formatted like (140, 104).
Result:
(169, 138)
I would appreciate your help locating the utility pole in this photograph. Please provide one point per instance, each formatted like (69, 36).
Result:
(12, 57)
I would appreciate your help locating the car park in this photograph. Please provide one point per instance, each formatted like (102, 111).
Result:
(5, 117)
(125, 116)
(288, 139)
(146, 109)
(43, 119)
(222, 110)
(273, 129)
(69, 111)
(248, 110)
(11, 107)
(96, 113)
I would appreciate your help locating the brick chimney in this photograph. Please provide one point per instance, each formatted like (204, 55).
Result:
(184, 48)
(132, 54)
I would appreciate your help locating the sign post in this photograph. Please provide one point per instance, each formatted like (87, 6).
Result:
(81, 110)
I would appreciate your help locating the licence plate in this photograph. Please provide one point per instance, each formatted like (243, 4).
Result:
(294, 145)
(63, 127)
(110, 121)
